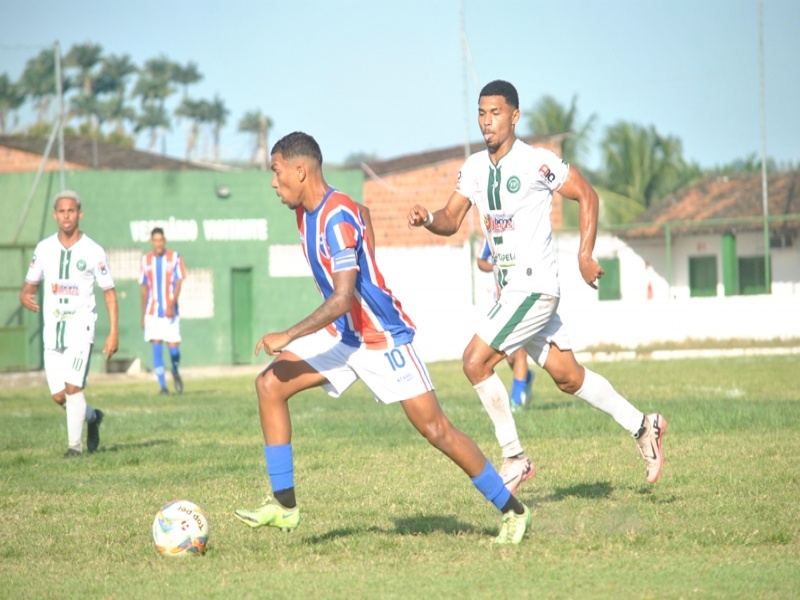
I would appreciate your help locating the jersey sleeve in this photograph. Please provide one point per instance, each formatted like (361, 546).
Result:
(180, 268)
(552, 169)
(467, 184)
(102, 274)
(36, 268)
(142, 271)
(343, 238)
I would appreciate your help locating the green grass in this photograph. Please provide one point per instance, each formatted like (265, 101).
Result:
(384, 515)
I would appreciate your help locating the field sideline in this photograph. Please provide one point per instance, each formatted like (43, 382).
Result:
(384, 515)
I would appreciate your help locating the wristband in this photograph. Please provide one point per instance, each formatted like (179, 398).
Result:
(429, 220)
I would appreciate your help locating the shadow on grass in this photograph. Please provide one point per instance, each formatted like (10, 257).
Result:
(133, 445)
(406, 526)
(599, 489)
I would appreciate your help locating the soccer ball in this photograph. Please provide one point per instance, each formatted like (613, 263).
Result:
(180, 528)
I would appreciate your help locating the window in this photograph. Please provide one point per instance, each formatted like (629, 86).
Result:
(751, 276)
(608, 285)
(197, 294)
(702, 276)
(125, 263)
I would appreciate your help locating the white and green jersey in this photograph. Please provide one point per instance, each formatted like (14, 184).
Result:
(68, 307)
(514, 198)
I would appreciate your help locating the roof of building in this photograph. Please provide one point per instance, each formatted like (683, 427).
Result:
(410, 162)
(726, 202)
(86, 152)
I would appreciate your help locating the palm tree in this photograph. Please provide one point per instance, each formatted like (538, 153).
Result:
(642, 165)
(38, 82)
(258, 124)
(548, 116)
(198, 112)
(11, 98)
(218, 116)
(153, 118)
(186, 76)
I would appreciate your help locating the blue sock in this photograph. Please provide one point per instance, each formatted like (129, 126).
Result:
(491, 486)
(158, 365)
(175, 356)
(517, 389)
(280, 467)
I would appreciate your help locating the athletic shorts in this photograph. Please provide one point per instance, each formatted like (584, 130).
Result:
(392, 375)
(67, 365)
(162, 328)
(524, 320)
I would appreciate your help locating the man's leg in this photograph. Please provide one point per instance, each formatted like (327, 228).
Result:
(175, 359)
(572, 378)
(427, 417)
(286, 376)
(158, 365)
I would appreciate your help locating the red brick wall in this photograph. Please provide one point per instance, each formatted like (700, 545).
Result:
(390, 198)
(17, 161)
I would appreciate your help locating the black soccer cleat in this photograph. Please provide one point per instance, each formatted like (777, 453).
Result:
(178, 381)
(93, 431)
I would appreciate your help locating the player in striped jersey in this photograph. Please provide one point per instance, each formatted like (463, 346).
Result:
(161, 278)
(69, 263)
(522, 384)
(512, 185)
(360, 331)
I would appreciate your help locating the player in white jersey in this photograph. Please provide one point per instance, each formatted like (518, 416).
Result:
(69, 263)
(512, 185)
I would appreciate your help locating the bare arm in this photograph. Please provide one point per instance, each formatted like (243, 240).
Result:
(446, 221)
(575, 187)
(485, 266)
(112, 341)
(337, 304)
(368, 222)
(27, 296)
(145, 290)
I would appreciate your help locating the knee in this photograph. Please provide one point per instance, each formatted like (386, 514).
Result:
(569, 382)
(60, 398)
(437, 431)
(474, 368)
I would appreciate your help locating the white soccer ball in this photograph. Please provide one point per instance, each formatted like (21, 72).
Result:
(180, 528)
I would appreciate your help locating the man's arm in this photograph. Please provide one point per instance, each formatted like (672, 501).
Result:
(337, 304)
(484, 265)
(368, 223)
(445, 221)
(170, 310)
(112, 341)
(575, 187)
(145, 294)
(27, 296)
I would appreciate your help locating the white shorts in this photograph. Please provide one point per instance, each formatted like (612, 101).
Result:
(524, 320)
(162, 328)
(392, 375)
(67, 365)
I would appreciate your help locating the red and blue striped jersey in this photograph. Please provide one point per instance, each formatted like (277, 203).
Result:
(160, 274)
(334, 239)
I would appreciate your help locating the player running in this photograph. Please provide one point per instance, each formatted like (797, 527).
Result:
(512, 185)
(359, 332)
(69, 263)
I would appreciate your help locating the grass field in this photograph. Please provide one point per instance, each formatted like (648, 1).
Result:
(386, 516)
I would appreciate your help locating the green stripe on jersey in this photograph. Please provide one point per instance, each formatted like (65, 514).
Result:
(515, 320)
(493, 188)
(60, 327)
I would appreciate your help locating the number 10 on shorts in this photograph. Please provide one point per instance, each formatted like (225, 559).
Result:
(395, 358)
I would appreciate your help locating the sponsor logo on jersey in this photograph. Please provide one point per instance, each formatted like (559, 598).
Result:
(513, 184)
(545, 172)
(81, 265)
(458, 181)
(498, 222)
(323, 249)
(65, 289)
(33, 261)
(103, 268)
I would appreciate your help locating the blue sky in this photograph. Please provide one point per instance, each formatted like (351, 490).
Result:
(387, 77)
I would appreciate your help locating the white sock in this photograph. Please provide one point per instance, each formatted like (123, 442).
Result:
(597, 391)
(494, 397)
(76, 415)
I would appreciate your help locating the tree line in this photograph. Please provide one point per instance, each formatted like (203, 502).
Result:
(111, 99)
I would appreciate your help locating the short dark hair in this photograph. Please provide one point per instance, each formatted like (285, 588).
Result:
(298, 144)
(498, 87)
(157, 230)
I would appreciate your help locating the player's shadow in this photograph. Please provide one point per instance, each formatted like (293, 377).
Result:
(134, 445)
(596, 490)
(422, 525)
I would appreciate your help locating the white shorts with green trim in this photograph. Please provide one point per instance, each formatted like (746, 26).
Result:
(391, 374)
(67, 365)
(524, 320)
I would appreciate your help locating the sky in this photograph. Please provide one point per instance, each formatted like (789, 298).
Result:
(389, 78)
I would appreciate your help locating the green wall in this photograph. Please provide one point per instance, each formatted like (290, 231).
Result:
(111, 201)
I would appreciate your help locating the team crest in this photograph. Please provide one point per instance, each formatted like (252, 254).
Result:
(513, 184)
(81, 265)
